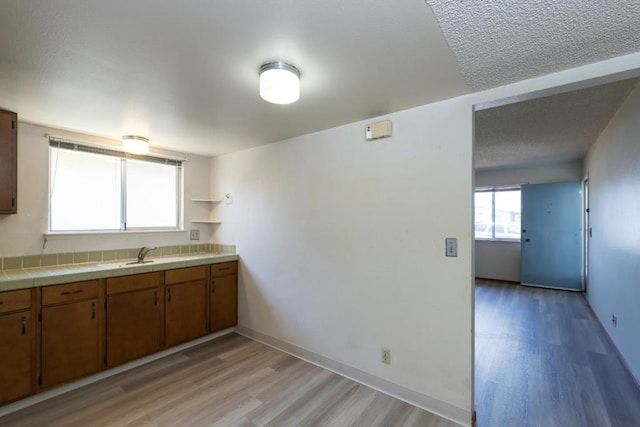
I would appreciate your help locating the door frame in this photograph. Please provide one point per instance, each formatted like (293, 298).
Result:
(586, 234)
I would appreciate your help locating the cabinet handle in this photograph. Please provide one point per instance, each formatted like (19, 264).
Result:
(93, 310)
(1, 302)
(79, 291)
(168, 295)
(24, 325)
(213, 286)
(155, 298)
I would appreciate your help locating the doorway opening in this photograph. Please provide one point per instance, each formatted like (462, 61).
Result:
(528, 340)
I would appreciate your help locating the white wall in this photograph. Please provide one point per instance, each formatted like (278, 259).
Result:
(500, 260)
(613, 166)
(23, 234)
(342, 246)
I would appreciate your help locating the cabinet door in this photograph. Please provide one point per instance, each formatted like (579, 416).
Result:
(134, 327)
(8, 162)
(70, 342)
(15, 356)
(186, 312)
(224, 302)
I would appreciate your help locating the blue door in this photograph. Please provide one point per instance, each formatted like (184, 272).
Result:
(551, 241)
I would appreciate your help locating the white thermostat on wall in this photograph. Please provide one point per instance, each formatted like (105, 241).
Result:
(377, 130)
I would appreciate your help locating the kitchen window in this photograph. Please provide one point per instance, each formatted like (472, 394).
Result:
(100, 189)
(497, 214)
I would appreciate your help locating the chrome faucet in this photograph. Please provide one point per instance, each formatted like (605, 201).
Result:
(143, 253)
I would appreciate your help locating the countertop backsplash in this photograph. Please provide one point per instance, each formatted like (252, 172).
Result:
(46, 260)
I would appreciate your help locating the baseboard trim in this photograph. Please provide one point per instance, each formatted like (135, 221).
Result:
(505, 281)
(430, 404)
(613, 344)
(41, 397)
(532, 285)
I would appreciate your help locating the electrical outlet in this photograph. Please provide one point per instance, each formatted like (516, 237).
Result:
(194, 234)
(386, 355)
(614, 319)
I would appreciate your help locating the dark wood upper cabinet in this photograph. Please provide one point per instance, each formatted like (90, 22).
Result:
(8, 162)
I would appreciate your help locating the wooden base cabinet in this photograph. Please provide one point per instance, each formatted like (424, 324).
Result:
(134, 317)
(224, 295)
(56, 334)
(17, 345)
(186, 308)
(71, 333)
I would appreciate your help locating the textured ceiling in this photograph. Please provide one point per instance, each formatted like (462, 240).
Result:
(185, 73)
(503, 41)
(546, 130)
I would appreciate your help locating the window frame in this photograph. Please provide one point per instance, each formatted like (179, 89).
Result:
(102, 150)
(493, 191)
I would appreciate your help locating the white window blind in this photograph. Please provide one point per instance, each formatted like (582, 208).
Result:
(97, 189)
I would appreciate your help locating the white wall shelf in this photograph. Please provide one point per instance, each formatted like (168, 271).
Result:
(213, 203)
(207, 200)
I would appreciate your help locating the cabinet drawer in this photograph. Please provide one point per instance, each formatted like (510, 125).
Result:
(118, 285)
(15, 300)
(224, 269)
(188, 274)
(68, 292)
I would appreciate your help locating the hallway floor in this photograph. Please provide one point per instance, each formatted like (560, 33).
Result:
(542, 359)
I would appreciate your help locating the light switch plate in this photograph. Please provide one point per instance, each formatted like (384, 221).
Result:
(194, 234)
(451, 244)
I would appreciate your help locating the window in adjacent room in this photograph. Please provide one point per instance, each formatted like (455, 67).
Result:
(98, 189)
(497, 214)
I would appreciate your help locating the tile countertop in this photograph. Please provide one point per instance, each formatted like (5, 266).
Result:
(43, 276)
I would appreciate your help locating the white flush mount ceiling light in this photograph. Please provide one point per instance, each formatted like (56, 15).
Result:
(135, 144)
(279, 83)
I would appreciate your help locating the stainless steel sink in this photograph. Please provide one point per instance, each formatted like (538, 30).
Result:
(157, 261)
(139, 262)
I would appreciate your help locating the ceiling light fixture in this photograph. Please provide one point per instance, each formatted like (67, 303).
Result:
(135, 144)
(279, 83)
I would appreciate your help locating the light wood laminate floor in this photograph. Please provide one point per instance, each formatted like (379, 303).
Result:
(232, 381)
(542, 359)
